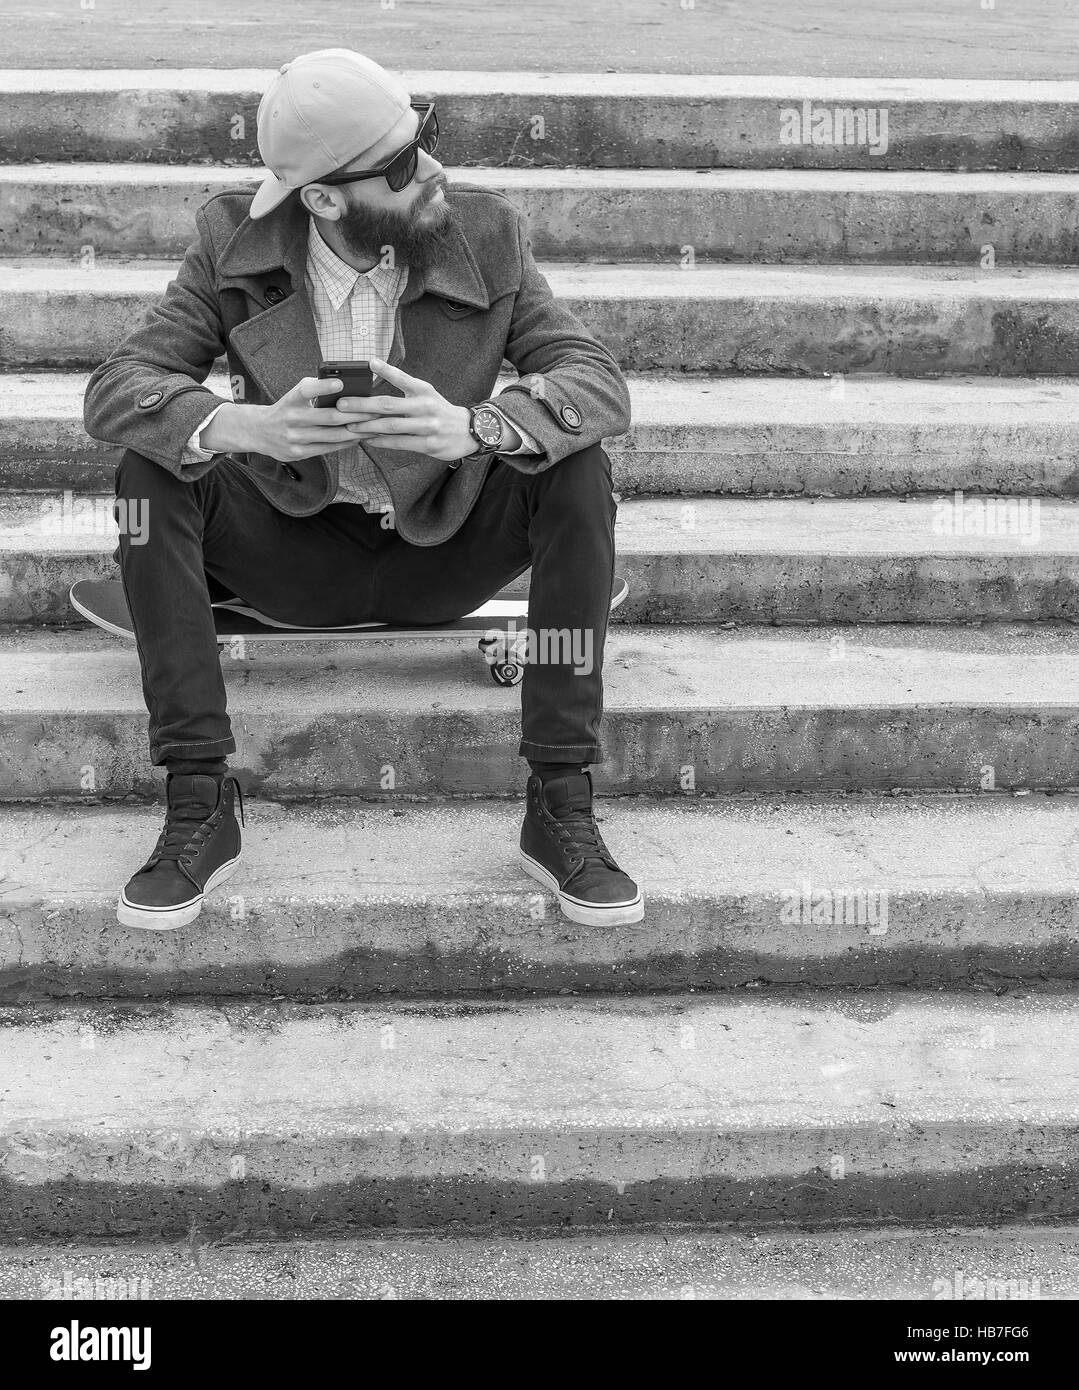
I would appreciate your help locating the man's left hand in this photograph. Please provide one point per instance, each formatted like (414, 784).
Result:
(421, 420)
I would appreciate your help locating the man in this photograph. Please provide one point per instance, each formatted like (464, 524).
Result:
(411, 506)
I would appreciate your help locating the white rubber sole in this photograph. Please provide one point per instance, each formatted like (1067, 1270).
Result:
(168, 918)
(587, 914)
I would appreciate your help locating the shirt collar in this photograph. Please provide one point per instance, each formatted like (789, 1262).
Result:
(339, 278)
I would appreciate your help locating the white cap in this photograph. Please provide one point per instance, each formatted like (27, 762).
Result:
(319, 112)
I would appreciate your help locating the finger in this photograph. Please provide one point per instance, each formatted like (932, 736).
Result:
(317, 448)
(411, 423)
(321, 438)
(311, 386)
(416, 443)
(376, 405)
(395, 376)
(326, 417)
(388, 424)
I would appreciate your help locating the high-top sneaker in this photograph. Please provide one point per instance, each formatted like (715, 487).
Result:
(198, 849)
(562, 848)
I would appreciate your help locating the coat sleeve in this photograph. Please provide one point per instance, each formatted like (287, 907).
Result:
(571, 393)
(148, 395)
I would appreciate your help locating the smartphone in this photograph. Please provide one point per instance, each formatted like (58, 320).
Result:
(358, 378)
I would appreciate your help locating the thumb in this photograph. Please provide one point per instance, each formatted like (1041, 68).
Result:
(311, 387)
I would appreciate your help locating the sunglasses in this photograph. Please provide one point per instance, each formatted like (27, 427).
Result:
(401, 169)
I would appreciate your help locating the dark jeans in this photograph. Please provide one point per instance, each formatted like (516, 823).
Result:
(218, 537)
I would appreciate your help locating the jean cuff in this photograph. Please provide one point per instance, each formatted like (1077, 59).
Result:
(561, 752)
(215, 748)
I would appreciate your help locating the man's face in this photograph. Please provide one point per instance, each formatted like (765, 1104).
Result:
(415, 222)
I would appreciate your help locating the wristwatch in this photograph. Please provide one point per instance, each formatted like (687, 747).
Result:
(485, 427)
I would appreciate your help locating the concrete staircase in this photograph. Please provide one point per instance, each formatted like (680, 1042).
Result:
(842, 718)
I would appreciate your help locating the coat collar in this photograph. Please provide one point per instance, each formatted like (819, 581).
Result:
(279, 240)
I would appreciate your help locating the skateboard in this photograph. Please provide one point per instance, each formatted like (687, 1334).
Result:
(497, 624)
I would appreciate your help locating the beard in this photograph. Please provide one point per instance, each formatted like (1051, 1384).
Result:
(366, 231)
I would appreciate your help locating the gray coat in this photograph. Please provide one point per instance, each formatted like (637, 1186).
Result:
(241, 291)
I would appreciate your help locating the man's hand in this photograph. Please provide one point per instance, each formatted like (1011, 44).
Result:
(289, 430)
(421, 420)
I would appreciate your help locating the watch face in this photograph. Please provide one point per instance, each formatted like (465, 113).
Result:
(488, 426)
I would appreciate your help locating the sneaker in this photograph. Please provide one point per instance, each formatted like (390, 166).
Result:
(198, 849)
(561, 847)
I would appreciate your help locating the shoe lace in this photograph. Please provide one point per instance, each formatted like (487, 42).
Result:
(185, 833)
(576, 828)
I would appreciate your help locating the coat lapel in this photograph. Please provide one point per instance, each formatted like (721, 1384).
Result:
(279, 344)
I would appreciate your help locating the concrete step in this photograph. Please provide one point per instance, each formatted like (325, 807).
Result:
(757, 709)
(332, 902)
(907, 321)
(608, 120)
(772, 215)
(245, 1120)
(705, 559)
(1034, 40)
(698, 434)
(1021, 1262)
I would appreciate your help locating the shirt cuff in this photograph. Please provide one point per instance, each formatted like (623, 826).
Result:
(528, 444)
(193, 452)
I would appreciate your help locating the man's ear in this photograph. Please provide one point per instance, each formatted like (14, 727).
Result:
(321, 201)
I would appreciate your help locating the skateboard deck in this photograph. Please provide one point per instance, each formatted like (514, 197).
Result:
(496, 623)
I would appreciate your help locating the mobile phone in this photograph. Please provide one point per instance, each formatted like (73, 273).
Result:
(357, 376)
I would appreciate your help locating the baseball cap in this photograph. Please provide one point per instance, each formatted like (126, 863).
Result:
(319, 112)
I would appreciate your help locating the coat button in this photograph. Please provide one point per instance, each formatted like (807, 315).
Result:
(151, 400)
(571, 417)
(275, 294)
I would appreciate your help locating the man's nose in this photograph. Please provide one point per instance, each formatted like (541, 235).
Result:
(428, 167)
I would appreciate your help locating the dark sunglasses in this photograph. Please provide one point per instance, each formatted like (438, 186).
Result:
(401, 169)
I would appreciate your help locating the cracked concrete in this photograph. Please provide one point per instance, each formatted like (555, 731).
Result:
(765, 708)
(538, 1112)
(978, 890)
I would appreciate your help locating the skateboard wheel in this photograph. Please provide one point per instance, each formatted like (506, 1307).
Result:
(507, 673)
(493, 647)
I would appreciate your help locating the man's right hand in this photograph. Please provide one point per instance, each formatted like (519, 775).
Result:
(289, 430)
